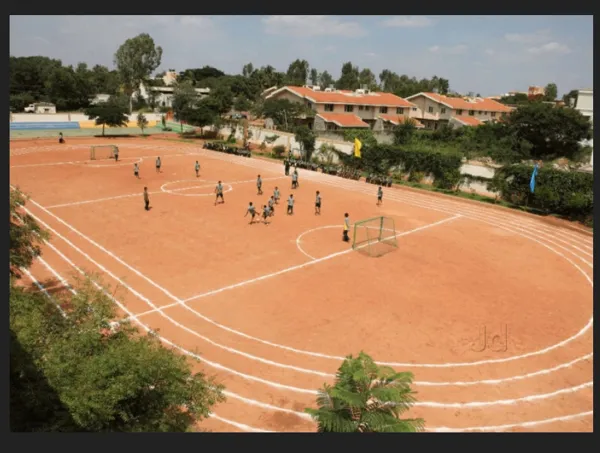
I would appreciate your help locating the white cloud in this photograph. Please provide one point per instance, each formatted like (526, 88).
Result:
(490, 51)
(452, 50)
(408, 21)
(536, 37)
(371, 54)
(308, 26)
(551, 47)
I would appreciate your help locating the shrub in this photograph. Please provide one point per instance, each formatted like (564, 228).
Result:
(279, 150)
(416, 176)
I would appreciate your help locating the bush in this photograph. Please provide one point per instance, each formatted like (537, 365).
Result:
(416, 176)
(279, 150)
(568, 194)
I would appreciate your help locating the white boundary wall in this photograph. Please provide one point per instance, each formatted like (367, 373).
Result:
(65, 117)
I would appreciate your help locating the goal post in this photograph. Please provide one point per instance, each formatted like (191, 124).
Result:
(375, 236)
(103, 152)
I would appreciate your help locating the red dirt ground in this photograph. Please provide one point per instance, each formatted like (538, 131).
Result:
(272, 324)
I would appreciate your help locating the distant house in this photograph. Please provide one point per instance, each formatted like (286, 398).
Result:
(585, 104)
(164, 95)
(346, 109)
(433, 109)
(99, 98)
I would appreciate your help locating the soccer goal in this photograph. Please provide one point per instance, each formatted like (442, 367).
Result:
(103, 152)
(375, 236)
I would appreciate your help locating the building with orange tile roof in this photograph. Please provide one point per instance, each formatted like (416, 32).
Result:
(338, 109)
(434, 109)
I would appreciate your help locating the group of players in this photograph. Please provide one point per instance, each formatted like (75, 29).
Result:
(268, 210)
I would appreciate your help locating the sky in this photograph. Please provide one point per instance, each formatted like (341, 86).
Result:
(490, 55)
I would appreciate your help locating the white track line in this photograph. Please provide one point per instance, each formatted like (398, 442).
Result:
(75, 162)
(394, 364)
(44, 291)
(513, 425)
(239, 425)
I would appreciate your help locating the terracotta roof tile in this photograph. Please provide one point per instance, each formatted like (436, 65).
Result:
(348, 97)
(397, 119)
(479, 104)
(343, 119)
(468, 120)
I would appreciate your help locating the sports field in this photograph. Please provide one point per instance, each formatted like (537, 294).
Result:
(489, 308)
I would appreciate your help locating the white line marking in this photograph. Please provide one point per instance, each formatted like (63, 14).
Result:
(510, 402)
(270, 407)
(74, 162)
(239, 425)
(446, 365)
(44, 291)
(299, 238)
(59, 277)
(309, 263)
(564, 418)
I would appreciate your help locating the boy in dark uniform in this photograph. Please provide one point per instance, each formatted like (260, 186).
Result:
(158, 163)
(318, 203)
(252, 211)
(346, 228)
(219, 192)
(259, 185)
(379, 196)
(146, 199)
(290, 209)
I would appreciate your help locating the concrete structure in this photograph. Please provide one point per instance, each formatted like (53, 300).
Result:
(339, 109)
(164, 95)
(41, 107)
(585, 104)
(434, 109)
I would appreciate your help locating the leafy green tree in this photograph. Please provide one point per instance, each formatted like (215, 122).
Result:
(349, 79)
(551, 92)
(184, 99)
(314, 77)
(366, 77)
(307, 139)
(25, 235)
(142, 122)
(553, 132)
(366, 398)
(404, 132)
(242, 104)
(297, 73)
(247, 70)
(325, 80)
(112, 114)
(570, 98)
(282, 111)
(135, 60)
(200, 115)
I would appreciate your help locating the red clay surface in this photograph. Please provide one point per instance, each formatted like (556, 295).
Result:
(271, 309)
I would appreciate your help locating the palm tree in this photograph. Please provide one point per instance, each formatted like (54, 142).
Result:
(365, 398)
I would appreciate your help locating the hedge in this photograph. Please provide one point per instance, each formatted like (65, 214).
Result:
(568, 194)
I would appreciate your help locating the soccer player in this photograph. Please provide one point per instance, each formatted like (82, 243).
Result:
(276, 195)
(346, 227)
(146, 199)
(197, 168)
(252, 211)
(266, 214)
(259, 185)
(60, 138)
(318, 203)
(219, 192)
(272, 205)
(290, 209)
(116, 152)
(158, 165)
(295, 179)
(379, 196)
(136, 170)
(286, 164)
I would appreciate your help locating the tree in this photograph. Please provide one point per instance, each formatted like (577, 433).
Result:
(366, 77)
(184, 99)
(325, 80)
(314, 77)
(200, 115)
(365, 398)
(306, 137)
(135, 60)
(551, 92)
(25, 235)
(570, 98)
(247, 70)
(142, 122)
(242, 104)
(112, 114)
(552, 132)
(297, 73)
(404, 132)
(108, 380)
(349, 80)
(282, 112)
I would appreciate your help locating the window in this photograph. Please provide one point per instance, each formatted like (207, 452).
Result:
(309, 105)
(479, 112)
(349, 108)
(367, 108)
(430, 109)
(361, 107)
(485, 113)
(399, 110)
(383, 109)
(471, 112)
(459, 112)
(329, 107)
(414, 109)
(443, 110)
(493, 114)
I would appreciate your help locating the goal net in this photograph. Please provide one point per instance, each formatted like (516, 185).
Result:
(375, 236)
(103, 152)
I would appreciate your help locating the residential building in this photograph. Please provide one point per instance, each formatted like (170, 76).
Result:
(339, 109)
(585, 104)
(433, 109)
(170, 77)
(164, 95)
(534, 92)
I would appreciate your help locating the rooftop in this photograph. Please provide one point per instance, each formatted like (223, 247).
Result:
(343, 119)
(347, 97)
(483, 104)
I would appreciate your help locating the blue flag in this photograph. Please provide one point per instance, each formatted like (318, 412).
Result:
(533, 175)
